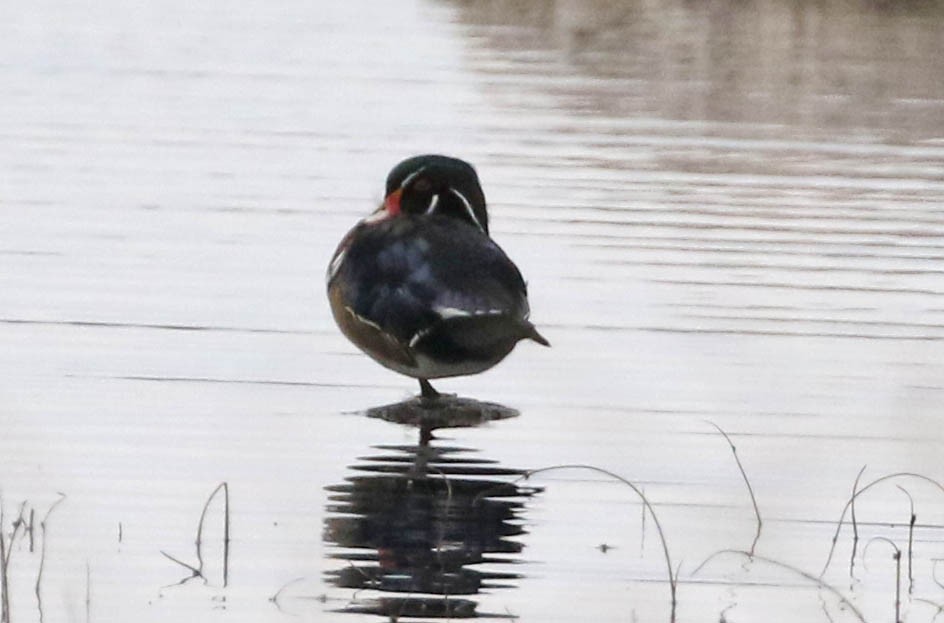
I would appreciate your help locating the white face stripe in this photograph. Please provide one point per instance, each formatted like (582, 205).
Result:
(380, 214)
(409, 178)
(435, 200)
(468, 207)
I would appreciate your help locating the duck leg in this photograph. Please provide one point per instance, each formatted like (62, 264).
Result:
(427, 390)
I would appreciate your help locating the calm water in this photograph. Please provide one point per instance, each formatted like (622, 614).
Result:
(728, 212)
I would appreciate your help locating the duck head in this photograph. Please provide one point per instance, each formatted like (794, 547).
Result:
(433, 184)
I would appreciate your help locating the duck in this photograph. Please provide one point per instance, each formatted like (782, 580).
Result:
(420, 286)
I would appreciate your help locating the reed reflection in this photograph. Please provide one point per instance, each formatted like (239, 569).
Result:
(423, 527)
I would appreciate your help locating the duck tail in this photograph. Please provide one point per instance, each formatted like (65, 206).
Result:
(532, 333)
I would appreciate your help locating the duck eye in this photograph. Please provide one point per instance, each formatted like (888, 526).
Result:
(422, 185)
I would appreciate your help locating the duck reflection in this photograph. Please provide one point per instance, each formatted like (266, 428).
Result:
(418, 521)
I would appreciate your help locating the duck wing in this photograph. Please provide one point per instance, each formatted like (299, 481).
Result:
(431, 282)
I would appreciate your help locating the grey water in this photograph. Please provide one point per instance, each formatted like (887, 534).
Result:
(728, 212)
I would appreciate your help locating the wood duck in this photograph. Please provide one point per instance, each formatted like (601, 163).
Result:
(420, 286)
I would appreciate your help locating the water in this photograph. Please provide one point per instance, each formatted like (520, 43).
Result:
(727, 212)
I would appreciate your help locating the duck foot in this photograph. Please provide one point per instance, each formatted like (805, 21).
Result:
(426, 435)
(427, 390)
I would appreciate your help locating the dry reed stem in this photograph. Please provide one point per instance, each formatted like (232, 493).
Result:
(913, 518)
(88, 592)
(940, 607)
(750, 489)
(897, 558)
(42, 555)
(861, 491)
(224, 487)
(934, 562)
(32, 531)
(776, 563)
(275, 598)
(6, 551)
(855, 524)
(197, 571)
(673, 576)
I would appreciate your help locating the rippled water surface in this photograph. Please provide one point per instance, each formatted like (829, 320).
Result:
(729, 213)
